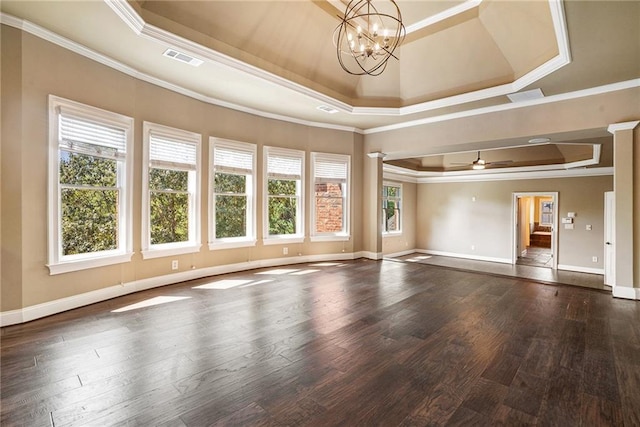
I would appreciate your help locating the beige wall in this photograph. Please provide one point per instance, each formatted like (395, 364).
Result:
(37, 69)
(407, 239)
(450, 221)
(11, 167)
(32, 69)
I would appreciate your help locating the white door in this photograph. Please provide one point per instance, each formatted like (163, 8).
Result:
(609, 235)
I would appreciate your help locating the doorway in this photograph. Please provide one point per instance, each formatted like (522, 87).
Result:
(535, 237)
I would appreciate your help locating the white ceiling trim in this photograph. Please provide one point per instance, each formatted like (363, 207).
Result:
(598, 90)
(430, 20)
(545, 174)
(129, 15)
(596, 150)
(75, 47)
(445, 14)
(136, 25)
(613, 128)
(563, 58)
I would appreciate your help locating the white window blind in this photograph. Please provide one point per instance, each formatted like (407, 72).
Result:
(330, 170)
(284, 167)
(232, 160)
(172, 153)
(92, 138)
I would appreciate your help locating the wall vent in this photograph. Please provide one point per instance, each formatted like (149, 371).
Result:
(182, 57)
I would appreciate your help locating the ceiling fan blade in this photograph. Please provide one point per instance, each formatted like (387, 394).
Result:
(501, 162)
(460, 163)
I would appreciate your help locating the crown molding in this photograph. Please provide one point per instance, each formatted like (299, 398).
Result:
(131, 17)
(598, 90)
(82, 50)
(577, 168)
(512, 176)
(613, 128)
(133, 20)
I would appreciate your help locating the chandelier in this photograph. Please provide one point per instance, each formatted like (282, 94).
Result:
(368, 36)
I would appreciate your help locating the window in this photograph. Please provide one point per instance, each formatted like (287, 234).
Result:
(283, 217)
(330, 211)
(90, 174)
(391, 208)
(546, 213)
(232, 187)
(171, 191)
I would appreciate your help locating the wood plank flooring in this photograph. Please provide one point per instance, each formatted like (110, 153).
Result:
(359, 343)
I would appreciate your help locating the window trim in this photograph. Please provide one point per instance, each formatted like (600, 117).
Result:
(345, 234)
(300, 211)
(56, 262)
(149, 250)
(400, 199)
(233, 242)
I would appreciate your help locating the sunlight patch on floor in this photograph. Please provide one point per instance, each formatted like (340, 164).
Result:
(418, 258)
(326, 264)
(259, 282)
(303, 272)
(279, 271)
(148, 303)
(223, 284)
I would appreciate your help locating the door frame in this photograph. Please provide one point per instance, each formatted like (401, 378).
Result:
(609, 239)
(515, 226)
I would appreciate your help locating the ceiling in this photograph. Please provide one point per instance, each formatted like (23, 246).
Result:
(458, 55)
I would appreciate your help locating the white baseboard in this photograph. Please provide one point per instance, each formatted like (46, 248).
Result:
(371, 255)
(581, 269)
(49, 308)
(626, 292)
(465, 256)
(398, 254)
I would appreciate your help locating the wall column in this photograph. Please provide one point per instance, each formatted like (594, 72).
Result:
(627, 284)
(372, 218)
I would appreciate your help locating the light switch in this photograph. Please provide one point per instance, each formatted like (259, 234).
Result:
(571, 214)
(568, 226)
(588, 227)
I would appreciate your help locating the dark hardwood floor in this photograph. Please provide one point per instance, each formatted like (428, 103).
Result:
(362, 343)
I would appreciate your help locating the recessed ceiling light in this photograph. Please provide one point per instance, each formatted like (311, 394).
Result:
(327, 109)
(538, 140)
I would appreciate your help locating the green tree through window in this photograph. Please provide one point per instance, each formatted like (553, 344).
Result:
(169, 205)
(230, 205)
(89, 203)
(282, 208)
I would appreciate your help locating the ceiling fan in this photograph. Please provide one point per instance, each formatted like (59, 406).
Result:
(479, 163)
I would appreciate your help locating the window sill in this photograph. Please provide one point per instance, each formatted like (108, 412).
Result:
(85, 264)
(392, 234)
(231, 244)
(282, 240)
(170, 251)
(331, 238)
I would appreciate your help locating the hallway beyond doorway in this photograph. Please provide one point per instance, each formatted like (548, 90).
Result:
(536, 257)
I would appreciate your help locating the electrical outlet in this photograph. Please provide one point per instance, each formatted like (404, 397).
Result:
(174, 264)
(285, 251)
(594, 259)
(473, 247)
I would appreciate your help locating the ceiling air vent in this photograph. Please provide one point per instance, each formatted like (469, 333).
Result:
(528, 95)
(182, 57)
(327, 109)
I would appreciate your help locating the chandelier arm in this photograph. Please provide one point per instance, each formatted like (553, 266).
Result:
(372, 45)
